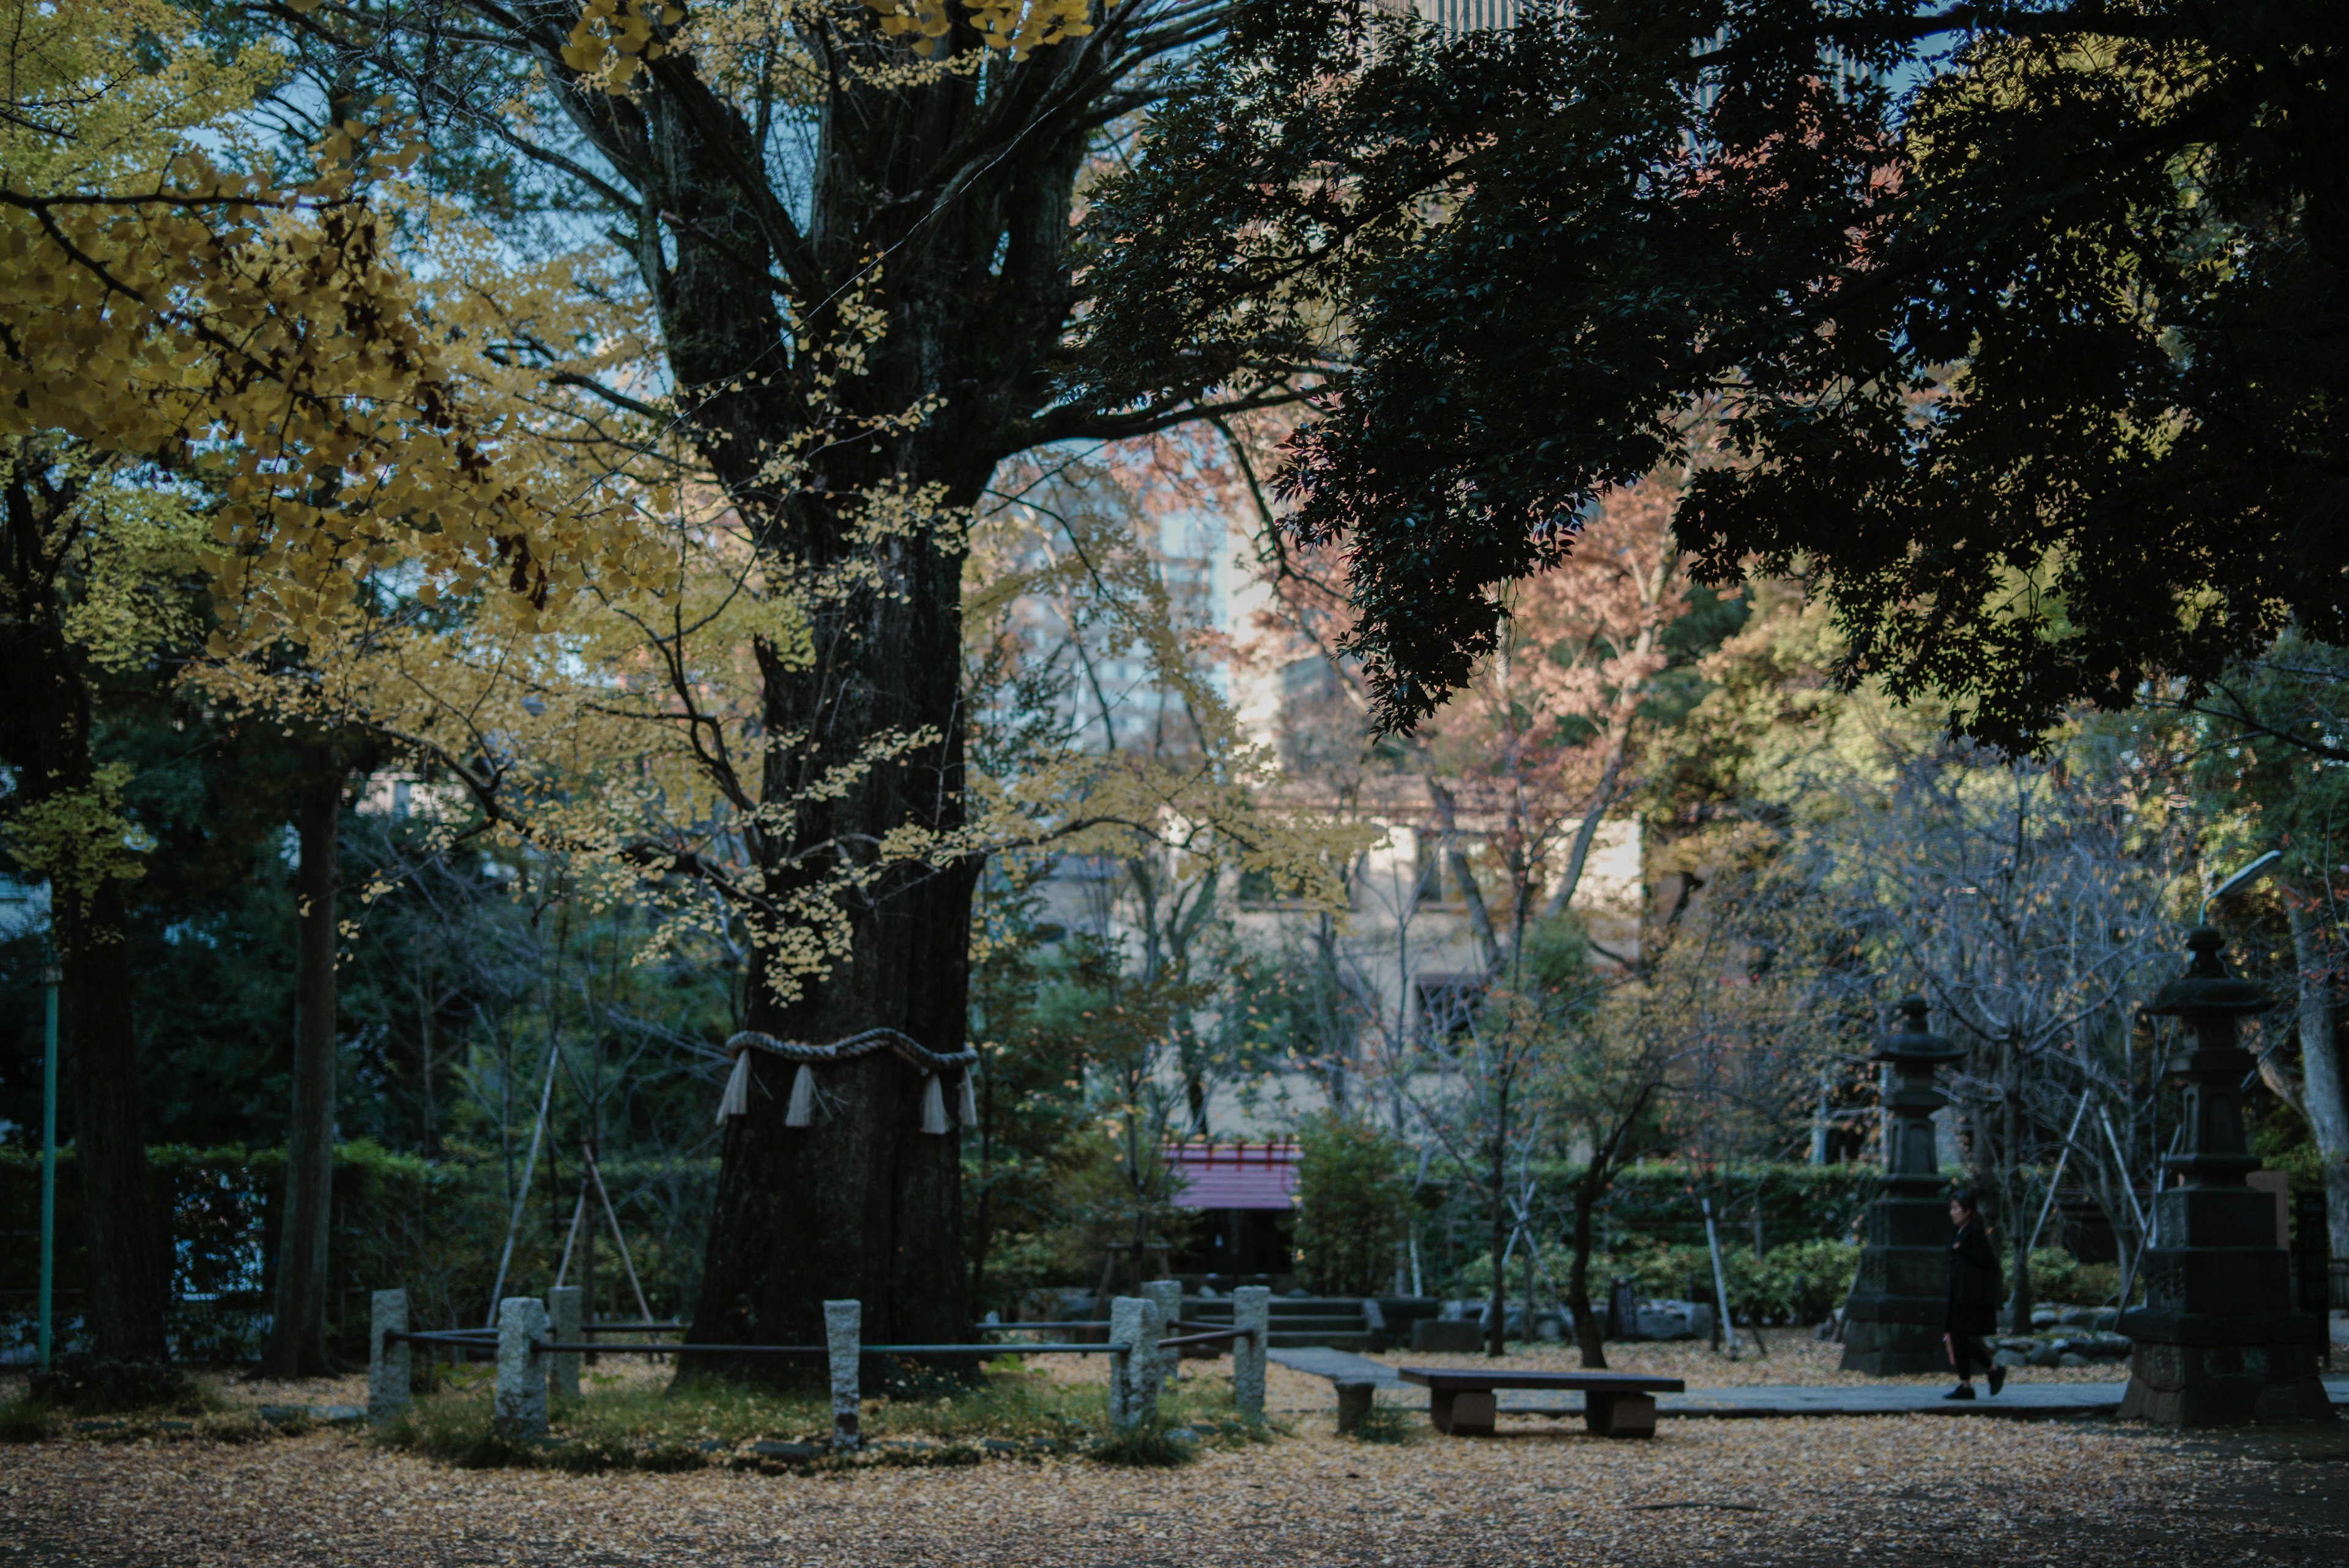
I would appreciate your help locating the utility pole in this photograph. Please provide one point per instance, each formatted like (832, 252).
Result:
(52, 977)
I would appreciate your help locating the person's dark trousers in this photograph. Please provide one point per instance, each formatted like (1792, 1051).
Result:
(1970, 1353)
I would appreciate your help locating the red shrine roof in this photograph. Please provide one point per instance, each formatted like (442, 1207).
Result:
(1233, 1174)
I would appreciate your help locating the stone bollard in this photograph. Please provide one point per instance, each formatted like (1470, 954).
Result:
(521, 1408)
(1133, 1323)
(389, 1364)
(1354, 1402)
(1252, 1314)
(844, 1339)
(1166, 1296)
(565, 1318)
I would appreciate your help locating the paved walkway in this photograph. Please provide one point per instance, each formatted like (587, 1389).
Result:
(2022, 1400)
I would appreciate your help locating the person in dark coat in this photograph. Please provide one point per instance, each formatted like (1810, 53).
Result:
(1975, 1290)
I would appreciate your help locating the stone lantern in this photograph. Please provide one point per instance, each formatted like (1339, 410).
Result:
(1892, 1319)
(2218, 1341)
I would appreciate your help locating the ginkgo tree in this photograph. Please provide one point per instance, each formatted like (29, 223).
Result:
(211, 371)
(772, 173)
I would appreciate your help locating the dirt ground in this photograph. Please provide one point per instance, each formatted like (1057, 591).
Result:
(1911, 1490)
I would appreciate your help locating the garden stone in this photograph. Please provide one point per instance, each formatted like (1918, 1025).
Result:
(2009, 1359)
(2045, 1356)
(1252, 1312)
(520, 1405)
(791, 1453)
(1130, 1325)
(2043, 1317)
(2076, 1317)
(1165, 1296)
(389, 1364)
(844, 1339)
(566, 1322)
(2071, 1358)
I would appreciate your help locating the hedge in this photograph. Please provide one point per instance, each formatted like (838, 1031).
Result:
(433, 1227)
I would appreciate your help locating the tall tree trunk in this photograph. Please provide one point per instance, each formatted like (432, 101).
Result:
(45, 736)
(1496, 1336)
(1590, 1332)
(297, 1335)
(864, 1203)
(2325, 1095)
(129, 1272)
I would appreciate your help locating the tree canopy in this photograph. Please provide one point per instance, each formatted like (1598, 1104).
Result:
(2019, 318)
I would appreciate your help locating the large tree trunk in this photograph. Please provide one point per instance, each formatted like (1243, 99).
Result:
(2325, 1095)
(297, 1335)
(44, 735)
(129, 1275)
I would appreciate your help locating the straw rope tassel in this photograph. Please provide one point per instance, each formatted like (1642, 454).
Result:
(801, 1112)
(933, 1104)
(967, 1112)
(737, 1099)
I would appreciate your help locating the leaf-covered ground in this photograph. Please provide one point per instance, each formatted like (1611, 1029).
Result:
(1907, 1491)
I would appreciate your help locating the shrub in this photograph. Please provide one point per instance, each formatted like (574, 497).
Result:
(1145, 1447)
(1352, 1198)
(93, 1387)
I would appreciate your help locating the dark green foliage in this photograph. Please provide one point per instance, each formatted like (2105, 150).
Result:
(1145, 1448)
(1650, 1208)
(1389, 1424)
(1037, 1155)
(2020, 335)
(433, 1228)
(99, 1387)
(26, 1420)
(1352, 1199)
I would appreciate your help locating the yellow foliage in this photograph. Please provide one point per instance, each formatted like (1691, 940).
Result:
(79, 838)
(159, 303)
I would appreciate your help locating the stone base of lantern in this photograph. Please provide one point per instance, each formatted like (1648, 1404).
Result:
(2225, 1385)
(2217, 1343)
(2223, 1372)
(1892, 1319)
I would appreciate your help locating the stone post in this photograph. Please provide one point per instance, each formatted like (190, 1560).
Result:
(563, 1317)
(1892, 1319)
(2218, 1342)
(521, 1407)
(844, 1339)
(1252, 1314)
(1132, 1323)
(389, 1364)
(1166, 1296)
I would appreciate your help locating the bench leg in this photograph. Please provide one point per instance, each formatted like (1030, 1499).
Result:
(1461, 1412)
(1620, 1415)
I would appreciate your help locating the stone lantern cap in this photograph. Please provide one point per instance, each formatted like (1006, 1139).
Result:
(1913, 1042)
(2206, 986)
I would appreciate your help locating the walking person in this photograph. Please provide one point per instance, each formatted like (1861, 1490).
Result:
(1975, 1290)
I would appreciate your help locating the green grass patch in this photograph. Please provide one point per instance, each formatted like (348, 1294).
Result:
(1389, 1424)
(26, 1421)
(1008, 1413)
(1146, 1447)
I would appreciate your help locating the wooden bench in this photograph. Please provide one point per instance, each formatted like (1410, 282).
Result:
(1615, 1404)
